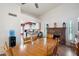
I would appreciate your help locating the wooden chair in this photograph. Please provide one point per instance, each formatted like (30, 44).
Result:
(28, 39)
(53, 50)
(7, 50)
(6, 46)
(77, 49)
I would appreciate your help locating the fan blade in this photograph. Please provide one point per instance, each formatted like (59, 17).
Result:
(36, 5)
(23, 3)
(11, 14)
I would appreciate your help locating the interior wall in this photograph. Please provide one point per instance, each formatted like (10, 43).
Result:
(61, 14)
(9, 22)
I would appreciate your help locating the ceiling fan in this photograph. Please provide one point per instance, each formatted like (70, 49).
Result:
(14, 15)
(36, 4)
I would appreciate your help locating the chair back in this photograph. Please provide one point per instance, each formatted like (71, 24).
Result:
(6, 46)
(55, 51)
(77, 49)
(7, 50)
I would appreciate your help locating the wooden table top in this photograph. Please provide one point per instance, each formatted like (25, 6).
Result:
(37, 49)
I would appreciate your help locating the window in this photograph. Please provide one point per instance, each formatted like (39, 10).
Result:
(70, 30)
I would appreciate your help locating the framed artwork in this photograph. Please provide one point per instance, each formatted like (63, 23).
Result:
(64, 24)
(55, 24)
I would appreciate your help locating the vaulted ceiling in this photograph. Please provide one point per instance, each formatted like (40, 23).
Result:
(30, 8)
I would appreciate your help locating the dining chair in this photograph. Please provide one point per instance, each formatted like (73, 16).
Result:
(6, 46)
(7, 50)
(77, 49)
(55, 49)
(27, 40)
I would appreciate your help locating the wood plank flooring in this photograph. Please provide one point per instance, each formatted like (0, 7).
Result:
(66, 51)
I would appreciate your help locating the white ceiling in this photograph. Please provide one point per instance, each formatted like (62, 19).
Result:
(29, 8)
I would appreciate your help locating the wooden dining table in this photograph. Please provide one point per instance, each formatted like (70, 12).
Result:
(38, 48)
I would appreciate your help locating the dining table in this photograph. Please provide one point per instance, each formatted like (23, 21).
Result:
(39, 47)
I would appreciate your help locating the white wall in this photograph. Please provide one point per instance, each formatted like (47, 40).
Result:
(61, 14)
(9, 22)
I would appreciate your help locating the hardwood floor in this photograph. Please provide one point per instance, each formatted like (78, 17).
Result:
(66, 51)
(2, 54)
(62, 51)
(38, 49)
